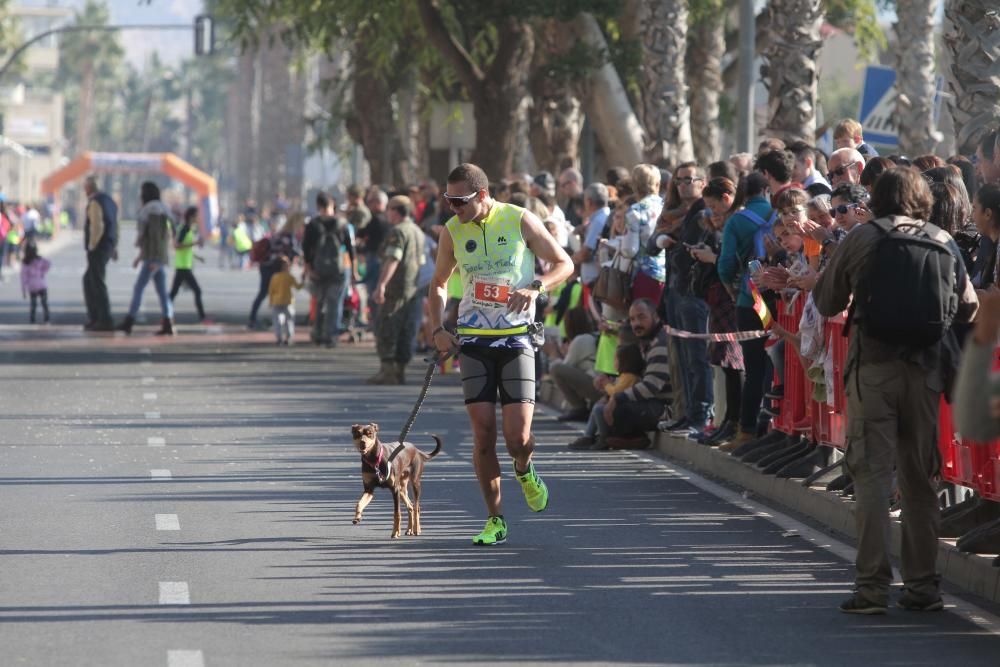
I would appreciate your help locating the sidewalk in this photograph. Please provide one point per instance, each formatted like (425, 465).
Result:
(974, 573)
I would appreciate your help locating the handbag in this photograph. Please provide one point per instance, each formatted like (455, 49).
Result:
(613, 285)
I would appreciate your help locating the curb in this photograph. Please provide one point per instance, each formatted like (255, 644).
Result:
(974, 573)
(970, 572)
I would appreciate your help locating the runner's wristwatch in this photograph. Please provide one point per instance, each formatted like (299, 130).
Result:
(537, 286)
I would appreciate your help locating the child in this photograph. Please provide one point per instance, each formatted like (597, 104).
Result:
(184, 243)
(283, 301)
(629, 363)
(33, 270)
(849, 134)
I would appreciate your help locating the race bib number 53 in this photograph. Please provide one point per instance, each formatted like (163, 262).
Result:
(492, 293)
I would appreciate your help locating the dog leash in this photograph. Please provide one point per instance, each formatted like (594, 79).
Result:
(432, 364)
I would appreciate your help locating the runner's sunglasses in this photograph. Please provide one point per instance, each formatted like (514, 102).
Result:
(460, 200)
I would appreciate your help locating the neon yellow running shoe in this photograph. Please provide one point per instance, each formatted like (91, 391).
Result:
(535, 491)
(494, 533)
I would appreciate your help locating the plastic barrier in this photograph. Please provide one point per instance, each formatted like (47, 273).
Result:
(793, 415)
(837, 342)
(967, 462)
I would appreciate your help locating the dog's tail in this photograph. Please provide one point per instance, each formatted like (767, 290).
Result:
(437, 449)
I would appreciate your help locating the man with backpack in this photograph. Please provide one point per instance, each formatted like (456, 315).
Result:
(328, 250)
(909, 286)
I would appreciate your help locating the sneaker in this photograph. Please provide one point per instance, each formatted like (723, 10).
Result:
(584, 442)
(535, 491)
(673, 426)
(494, 533)
(912, 602)
(857, 604)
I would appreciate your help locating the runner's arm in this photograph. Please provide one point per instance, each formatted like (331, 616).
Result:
(545, 248)
(444, 266)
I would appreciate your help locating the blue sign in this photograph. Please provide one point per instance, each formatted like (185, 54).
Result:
(877, 112)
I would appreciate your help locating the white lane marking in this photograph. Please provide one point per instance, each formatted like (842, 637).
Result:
(145, 350)
(152, 415)
(185, 658)
(214, 331)
(167, 522)
(148, 380)
(146, 363)
(160, 473)
(149, 396)
(174, 592)
(156, 441)
(966, 610)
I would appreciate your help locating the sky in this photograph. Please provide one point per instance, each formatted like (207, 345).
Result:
(173, 46)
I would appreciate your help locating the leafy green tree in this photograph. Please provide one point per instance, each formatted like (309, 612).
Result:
(483, 49)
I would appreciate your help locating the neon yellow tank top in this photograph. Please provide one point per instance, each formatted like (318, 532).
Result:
(493, 260)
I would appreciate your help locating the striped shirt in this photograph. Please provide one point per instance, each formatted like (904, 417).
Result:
(655, 381)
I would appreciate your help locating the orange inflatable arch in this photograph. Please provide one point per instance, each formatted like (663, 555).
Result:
(164, 163)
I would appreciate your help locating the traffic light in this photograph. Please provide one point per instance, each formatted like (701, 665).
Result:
(204, 35)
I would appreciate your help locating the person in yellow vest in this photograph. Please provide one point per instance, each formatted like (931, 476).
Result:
(494, 245)
(184, 243)
(242, 243)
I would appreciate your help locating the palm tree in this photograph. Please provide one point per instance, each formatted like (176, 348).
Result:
(664, 112)
(705, 48)
(972, 69)
(915, 76)
(790, 71)
(556, 116)
(88, 57)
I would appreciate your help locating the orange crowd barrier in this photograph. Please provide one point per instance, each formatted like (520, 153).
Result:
(975, 465)
(793, 414)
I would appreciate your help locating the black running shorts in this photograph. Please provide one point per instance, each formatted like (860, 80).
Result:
(487, 371)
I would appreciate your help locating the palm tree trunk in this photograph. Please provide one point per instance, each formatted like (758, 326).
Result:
(243, 151)
(972, 68)
(790, 71)
(556, 117)
(85, 117)
(915, 76)
(706, 46)
(664, 111)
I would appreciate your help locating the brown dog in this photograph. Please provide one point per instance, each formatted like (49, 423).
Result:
(396, 475)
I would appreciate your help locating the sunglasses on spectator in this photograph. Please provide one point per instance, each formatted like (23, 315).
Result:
(840, 171)
(460, 200)
(687, 180)
(844, 208)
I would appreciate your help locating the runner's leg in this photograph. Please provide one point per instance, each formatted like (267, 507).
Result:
(484, 458)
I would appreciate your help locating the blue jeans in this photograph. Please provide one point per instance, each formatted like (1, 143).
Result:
(697, 372)
(330, 308)
(159, 276)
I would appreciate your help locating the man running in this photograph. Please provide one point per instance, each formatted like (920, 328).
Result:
(494, 246)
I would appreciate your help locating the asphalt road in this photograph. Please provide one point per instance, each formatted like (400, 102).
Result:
(188, 502)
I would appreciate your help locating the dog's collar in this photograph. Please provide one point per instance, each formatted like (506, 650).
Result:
(380, 466)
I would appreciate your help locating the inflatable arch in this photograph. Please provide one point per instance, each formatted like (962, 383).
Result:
(165, 163)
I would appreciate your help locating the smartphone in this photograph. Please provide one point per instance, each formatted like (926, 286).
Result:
(754, 266)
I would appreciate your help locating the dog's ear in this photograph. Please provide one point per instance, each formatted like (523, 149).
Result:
(375, 426)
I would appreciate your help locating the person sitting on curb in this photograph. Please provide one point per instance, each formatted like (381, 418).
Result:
(628, 361)
(630, 414)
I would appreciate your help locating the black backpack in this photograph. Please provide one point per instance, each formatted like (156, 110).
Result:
(909, 296)
(328, 260)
